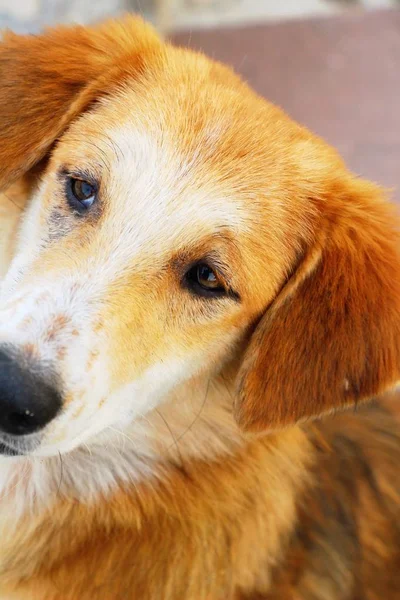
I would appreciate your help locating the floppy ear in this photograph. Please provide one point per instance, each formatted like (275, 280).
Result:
(332, 336)
(47, 80)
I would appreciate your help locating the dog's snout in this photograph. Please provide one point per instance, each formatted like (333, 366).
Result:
(28, 402)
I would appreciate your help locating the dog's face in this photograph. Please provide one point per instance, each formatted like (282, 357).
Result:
(176, 211)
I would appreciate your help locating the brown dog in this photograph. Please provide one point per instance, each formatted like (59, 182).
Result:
(195, 278)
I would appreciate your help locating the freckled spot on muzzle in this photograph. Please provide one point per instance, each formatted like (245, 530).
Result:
(98, 326)
(68, 398)
(61, 352)
(45, 297)
(59, 323)
(92, 359)
(78, 411)
(30, 351)
(27, 322)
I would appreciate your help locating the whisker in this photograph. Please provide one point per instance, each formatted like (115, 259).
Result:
(117, 450)
(20, 208)
(175, 441)
(61, 473)
(18, 482)
(197, 414)
(88, 449)
(123, 434)
(227, 388)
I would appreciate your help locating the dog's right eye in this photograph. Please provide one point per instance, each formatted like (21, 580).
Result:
(81, 194)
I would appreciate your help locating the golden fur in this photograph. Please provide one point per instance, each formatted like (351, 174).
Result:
(220, 484)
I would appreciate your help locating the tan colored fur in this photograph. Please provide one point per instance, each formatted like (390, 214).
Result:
(180, 466)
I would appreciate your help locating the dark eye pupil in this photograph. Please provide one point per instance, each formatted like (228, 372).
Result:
(82, 190)
(204, 281)
(80, 194)
(207, 277)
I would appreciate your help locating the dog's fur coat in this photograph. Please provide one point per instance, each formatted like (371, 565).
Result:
(188, 462)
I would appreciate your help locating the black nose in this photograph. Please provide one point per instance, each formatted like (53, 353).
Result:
(28, 401)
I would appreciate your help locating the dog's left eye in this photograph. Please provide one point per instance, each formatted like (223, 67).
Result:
(81, 194)
(202, 279)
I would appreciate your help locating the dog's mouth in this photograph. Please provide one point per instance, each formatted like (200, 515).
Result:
(6, 450)
(22, 447)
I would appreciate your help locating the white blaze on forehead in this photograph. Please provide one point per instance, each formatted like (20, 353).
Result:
(156, 200)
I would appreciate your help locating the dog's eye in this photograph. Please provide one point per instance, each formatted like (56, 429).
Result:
(204, 280)
(80, 193)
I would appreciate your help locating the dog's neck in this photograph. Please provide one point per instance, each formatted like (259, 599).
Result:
(259, 481)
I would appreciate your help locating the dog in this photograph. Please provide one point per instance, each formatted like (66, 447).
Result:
(199, 321)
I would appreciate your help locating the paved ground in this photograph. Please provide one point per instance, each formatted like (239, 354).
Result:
(30, 15)
(340, 76)
(206, 13)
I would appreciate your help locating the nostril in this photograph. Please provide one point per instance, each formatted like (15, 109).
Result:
(21, 422)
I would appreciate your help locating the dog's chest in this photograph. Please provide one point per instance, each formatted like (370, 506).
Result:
(14, 526)
(24, 520)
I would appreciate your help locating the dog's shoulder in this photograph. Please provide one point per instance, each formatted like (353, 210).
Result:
(347, 537)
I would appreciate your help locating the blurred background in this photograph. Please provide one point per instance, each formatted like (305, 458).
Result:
(334, 65)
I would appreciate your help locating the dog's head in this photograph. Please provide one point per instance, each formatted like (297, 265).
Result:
(180, 225)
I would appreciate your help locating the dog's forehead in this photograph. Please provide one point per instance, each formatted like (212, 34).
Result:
(183, 159)
(153, 186)
(154, 182)
(207, 131)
